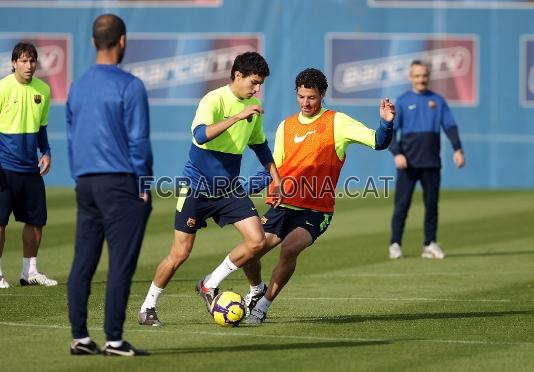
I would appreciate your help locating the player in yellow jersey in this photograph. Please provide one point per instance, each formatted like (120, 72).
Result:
(309, 152)
(24, 104)
(227, 121)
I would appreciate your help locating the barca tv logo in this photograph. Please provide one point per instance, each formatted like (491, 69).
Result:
(365, 67)
(526, 74)
(53, 62)
(182, 68)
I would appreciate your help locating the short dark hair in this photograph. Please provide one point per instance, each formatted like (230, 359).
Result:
(107, 31)
(311, 78)
(21, 49)
(418, 62)
(250, 63)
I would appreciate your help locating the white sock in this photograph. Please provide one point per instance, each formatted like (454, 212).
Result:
(263, 304)
(85, 340)
(114, 343)
(220, 273)
(152, 296)
(257, 288)
(1, 272)
(29, 266)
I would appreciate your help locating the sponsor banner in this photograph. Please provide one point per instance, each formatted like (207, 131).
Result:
(53, 59)
(109, 3)
(182, 68)
(466, 4)
(362, 68)
(526, 71)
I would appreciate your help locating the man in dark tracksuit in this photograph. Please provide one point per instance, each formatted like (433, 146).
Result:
(421, 114)
(110, 153)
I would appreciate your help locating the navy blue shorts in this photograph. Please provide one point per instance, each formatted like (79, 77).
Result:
(24, 195)
(281, 221)
(192, 210)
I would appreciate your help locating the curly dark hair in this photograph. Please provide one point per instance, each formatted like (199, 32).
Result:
(250, 63)
(311, 78)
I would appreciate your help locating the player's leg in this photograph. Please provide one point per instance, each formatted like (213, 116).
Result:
(87, 251)
(252, 245)
(304, 227)
(430, 181)
(405, 185)
(189, 212)
(5, 211)
(240, 212)
(252, 270)
(3, 281)
(30, 208)
(126, 216)
(292, 245)
(273, 223)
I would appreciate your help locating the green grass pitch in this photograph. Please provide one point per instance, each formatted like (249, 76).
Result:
(347, 308)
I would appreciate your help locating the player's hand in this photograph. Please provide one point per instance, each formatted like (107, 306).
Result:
(277, 196)
(401, 162)
(458, 158)
(387, 110)
(44, 164)
(249, 111)
(145, 196)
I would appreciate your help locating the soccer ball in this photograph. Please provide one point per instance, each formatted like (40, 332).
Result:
(228, 309)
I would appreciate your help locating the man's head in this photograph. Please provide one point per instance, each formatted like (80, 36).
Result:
(24, 62)
(109, 32)
(419, 76)
(311, 86)
(248, 74)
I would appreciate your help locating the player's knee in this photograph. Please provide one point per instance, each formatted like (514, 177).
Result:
(178, 256)
(256, 245)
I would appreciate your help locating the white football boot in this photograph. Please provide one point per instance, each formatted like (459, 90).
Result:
(395, 251)
(433, 252)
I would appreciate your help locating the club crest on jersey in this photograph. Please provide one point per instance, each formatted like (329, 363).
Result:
(37, 98)
(191, 222)
(432, 104)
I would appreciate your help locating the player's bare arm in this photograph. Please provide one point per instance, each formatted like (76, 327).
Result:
(214, 130)
(277, 182)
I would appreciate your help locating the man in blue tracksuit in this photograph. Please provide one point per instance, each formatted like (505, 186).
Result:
(421, 114)
(109, 152)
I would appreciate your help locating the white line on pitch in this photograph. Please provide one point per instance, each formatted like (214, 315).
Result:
(408, 299)
(314, 338)
(412, 299)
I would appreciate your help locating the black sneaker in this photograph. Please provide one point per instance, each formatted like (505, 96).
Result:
(77, 348)
(208, 295)
(149, 317)
(252, 298)
(126, 349)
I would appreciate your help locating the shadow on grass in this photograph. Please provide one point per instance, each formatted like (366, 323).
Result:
(268, 347)
(396, 317)
(483, 254)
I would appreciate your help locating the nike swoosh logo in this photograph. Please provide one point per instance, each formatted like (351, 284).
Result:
(411, 107)
(120, 352)
(307, 223)
(299, 139)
